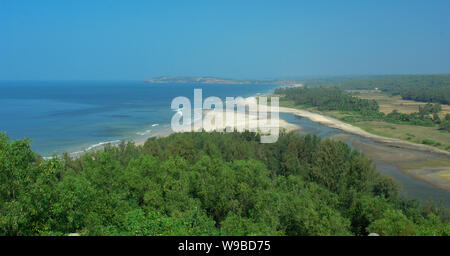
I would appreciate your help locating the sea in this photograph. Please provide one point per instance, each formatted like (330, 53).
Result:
(79, 116)
(75, 116)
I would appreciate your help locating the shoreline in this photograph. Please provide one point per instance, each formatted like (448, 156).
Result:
(335, 123)
(247, 119)
(428, 178)
(424, 174)
(314, 117)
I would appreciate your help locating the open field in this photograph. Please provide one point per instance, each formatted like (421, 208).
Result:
(388, 102)
(413, 133)
(350, 128)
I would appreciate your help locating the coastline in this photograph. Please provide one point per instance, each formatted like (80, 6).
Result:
(251, 119)
(334, 123)
(424, 174)
(428, 177)
(245, 120)
(248, 120)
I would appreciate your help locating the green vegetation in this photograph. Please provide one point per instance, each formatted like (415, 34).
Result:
(365, 113)
(328, 98)
(445, 124)
(425, 88)
(404, 132)
(430, 142)
(432, 163)
(425, 117)
(207, 184)
(331, 98)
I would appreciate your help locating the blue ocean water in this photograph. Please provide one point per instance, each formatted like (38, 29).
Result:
(72, 116)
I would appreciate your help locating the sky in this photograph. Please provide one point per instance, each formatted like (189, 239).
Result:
(135, 40)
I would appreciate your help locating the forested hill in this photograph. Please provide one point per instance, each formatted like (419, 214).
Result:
(207, 184)
(425, 88)
(213, 80)
(196, 80)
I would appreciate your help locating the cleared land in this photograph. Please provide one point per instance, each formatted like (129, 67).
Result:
(413, 133)
(388, 102)
(334, 123)
(416, 134)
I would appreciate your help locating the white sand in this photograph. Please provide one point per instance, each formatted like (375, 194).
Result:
(216, 120)
(334, 123)
(252, 121)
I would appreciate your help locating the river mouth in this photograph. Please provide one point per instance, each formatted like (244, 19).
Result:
(386, 158)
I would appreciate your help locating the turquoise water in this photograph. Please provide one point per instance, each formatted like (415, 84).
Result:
(72, 116)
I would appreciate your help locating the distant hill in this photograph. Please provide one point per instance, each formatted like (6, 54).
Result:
(211, 80)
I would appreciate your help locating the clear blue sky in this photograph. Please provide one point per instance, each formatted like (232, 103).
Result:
(134, 40)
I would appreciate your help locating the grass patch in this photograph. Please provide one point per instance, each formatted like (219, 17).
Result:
(430, 142)
(388, 102)
(430, 163)
(445, 175)
(413, 133)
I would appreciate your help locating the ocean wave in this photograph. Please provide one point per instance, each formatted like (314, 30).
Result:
(144, 133)
(93, 147)
(101, 144)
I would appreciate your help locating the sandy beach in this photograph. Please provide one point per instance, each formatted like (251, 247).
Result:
(334, 123)
(389, 149)
(250, 119)
(216, 120)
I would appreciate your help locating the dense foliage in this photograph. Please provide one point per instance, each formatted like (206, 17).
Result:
(206, 184)
(425, 88)
(327, 98)
(332, 98)
(427, 116)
